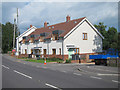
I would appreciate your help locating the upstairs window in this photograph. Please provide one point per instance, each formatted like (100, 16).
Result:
(84, 36)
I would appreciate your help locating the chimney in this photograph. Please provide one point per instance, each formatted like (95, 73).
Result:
(30, 26)
(67, 18)
(45, 24)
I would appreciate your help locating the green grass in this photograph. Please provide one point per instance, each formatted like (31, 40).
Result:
(42, 61)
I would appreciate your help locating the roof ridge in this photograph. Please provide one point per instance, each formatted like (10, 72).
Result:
(60, 23)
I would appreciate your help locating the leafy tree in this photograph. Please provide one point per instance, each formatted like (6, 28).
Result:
(102, 29)
(118, 41)
(110, 36)
(7, 37)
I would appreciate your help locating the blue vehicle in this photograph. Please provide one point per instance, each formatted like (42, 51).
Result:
(102, 58)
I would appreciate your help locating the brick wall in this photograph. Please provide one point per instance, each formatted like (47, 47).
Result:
(56, 56)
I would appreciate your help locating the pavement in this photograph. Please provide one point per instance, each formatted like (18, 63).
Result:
(18, 73)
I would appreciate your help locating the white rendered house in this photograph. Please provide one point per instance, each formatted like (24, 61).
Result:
(19, 38)
(63, 40)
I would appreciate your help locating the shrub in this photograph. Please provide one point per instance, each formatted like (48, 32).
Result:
(68, 61)
(55, 59)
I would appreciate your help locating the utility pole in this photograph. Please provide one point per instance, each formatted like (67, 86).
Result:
(17, 33)
(14, 34)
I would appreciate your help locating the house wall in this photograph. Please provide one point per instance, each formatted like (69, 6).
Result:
(45, 45)
(26, 33)
(91, 45)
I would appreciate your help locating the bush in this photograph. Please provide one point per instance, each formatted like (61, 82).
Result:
(54, 59)
(59, 61)
(68, 61)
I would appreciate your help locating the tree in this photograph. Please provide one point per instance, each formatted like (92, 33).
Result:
(110, 36)
(7, 37)
(118, 41)
(102, 29)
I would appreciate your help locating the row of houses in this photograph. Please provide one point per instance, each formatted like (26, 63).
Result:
(61, 40)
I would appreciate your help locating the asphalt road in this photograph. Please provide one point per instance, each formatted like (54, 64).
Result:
(19, 75)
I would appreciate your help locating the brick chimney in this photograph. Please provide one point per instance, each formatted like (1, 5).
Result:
(30, 26)
(67, 18)
(45, 24)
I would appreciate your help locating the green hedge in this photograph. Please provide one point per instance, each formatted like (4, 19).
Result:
(68, 61)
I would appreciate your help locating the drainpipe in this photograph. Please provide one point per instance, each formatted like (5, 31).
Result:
(63, 48)
(48, 48)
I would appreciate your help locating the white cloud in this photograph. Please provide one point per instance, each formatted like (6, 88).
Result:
(36, 13)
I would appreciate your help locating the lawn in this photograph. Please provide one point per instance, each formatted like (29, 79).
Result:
(42, 61)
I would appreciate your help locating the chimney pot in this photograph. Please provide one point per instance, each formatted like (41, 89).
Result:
(30, 26)
(67, 18)
(45, 24)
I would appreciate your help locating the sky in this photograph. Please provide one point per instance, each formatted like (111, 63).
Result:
(36, 13)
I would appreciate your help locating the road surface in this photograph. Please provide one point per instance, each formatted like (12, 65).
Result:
(21, 75)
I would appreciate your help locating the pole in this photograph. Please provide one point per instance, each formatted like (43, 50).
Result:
(14, 34)
(18, 32)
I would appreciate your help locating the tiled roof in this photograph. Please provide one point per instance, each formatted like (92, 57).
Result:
(65, 26)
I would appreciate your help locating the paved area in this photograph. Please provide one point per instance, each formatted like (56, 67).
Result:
(57, 75)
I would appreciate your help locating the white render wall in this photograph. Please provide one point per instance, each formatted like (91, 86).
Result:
(52, 45)
(91, 45)
(26, 33)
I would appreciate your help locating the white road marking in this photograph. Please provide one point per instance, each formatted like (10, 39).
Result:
(22, 74)
(104, 70)
(51, 85)
(77, 74)
(63, 71)
(115, 81)
(95, 77)
(44, 67)
(107, 74)
(5, 67)
(52, 69)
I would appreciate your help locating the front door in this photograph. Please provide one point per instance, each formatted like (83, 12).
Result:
(70, 52)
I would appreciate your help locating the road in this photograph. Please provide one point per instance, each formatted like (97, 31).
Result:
(22, 75)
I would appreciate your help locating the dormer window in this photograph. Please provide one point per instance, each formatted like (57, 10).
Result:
(32, 38)
(41, 38)
(56, 33)
(24, 38)
(43, 35)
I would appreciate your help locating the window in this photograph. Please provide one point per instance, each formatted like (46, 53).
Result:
(25, 51)
(31, 51)
(76, 50)
(44, 51)
(54, 51)
(60, 51)
(84, 36)
(56, 37)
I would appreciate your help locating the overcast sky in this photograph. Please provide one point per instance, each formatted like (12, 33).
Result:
(36, 13)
